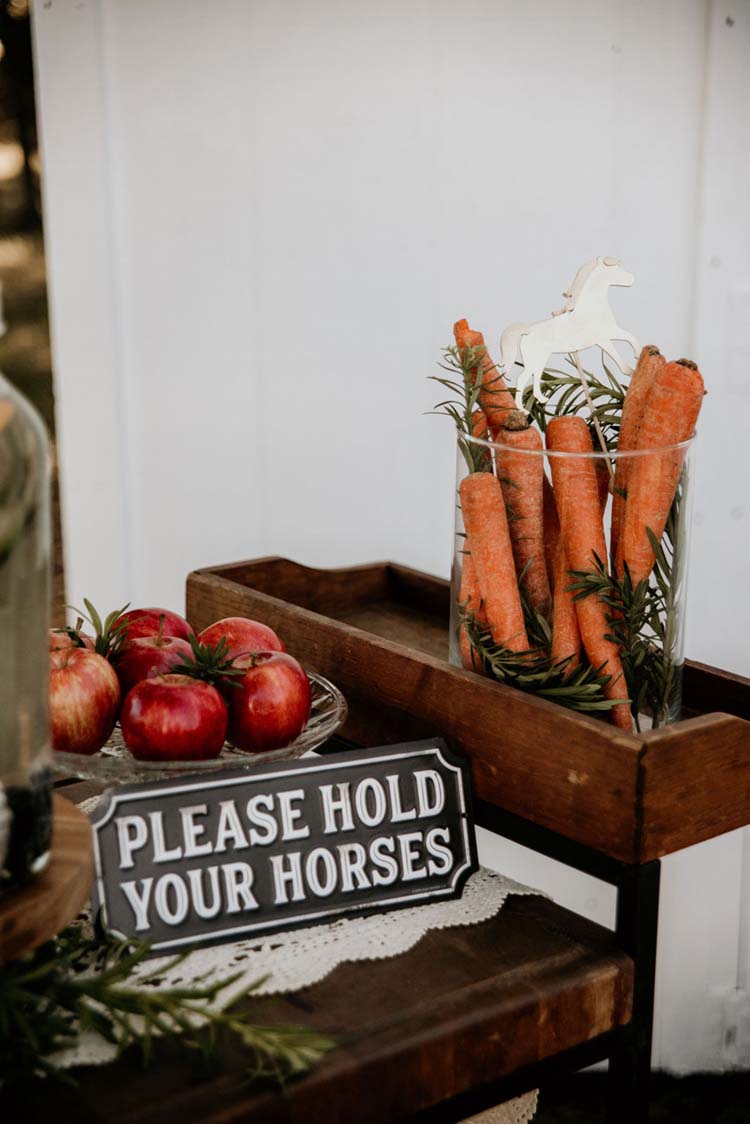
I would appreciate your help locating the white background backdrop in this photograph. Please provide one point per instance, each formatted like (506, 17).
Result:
(262, 219)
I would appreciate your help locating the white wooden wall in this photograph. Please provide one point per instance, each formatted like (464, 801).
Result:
(262, 219)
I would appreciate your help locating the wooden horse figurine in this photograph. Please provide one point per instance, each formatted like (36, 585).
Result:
(586, 320)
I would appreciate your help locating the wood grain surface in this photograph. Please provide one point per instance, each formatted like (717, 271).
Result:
(35, 912)
(380, 632)
(464, 1006)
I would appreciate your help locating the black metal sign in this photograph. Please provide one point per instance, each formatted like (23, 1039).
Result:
(199, 860)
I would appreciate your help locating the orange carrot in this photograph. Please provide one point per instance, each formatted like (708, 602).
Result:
(582, 532)
(471, 600)
(551, 530)
(486, 525)
(566, 635)
(494, 397)
(670, 416)
(480, 429)
(649, 363)
(520, 469)
(603, 477)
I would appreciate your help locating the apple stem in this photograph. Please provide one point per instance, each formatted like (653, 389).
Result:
(159, 636)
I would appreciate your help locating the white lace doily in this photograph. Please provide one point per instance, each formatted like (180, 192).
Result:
(292, 961)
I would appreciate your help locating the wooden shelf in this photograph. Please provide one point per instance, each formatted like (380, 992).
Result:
(38, 910)
(380, 632)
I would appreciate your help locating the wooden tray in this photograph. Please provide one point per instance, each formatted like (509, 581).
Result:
(380, 632)
(38, 910)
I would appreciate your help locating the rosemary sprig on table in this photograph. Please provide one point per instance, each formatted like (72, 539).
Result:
(82, 982)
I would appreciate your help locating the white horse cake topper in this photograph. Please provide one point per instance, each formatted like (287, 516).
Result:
(586, 320)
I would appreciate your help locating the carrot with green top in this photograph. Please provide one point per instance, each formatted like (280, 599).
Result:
(494, 396)
(650, 362)
(669, 418)
(520, 470)
(486, 525)
(582, 533)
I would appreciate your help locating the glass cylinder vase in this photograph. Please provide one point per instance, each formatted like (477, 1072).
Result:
(25, 787)
(604, 634)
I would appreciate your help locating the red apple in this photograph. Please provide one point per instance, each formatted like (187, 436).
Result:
(173, 718)
(242, 636)
(269, 706)
(84, 700)
(60, 639)
(145, 622)
(148, 656)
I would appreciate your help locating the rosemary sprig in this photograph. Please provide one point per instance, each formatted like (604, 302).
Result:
(109, 634)
(464, 386)
(566, 395)
(80, 981)
(580, 688)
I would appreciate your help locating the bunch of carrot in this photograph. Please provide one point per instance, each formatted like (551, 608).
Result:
(524, 535)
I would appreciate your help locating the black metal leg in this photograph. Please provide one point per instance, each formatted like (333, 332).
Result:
(630, 1063)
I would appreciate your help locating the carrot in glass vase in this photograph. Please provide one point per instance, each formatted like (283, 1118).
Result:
(669, 417)
(471, 603)
(520, 470)
(575, 484)
(650, 362)
(494, 396)
(566, 635)
(486, 525)
(480, 428)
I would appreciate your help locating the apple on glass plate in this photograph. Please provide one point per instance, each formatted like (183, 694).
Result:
(270, 704)
(84, 698)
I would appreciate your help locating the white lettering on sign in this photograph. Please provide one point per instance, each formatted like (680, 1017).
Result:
(229, 829)
(439, 851)
(398, 813)
(290, 815)
(172, 911)
(287, 871)
(409, 856)
(336, 805)
(162, 853)
(132, 834)
(261, 819)
(369, 800)
(353, 858)
(238, 878)
(139, 900)
(382, 850)
(429, 779)
(192, 831)
(314, 876)
(202, 907)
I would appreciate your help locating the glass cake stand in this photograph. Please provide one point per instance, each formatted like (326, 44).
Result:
(114, 764)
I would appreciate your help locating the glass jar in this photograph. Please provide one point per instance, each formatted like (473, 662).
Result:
(25, 792)
(551, 647)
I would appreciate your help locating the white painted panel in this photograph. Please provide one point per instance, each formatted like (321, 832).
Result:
(96, 479)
